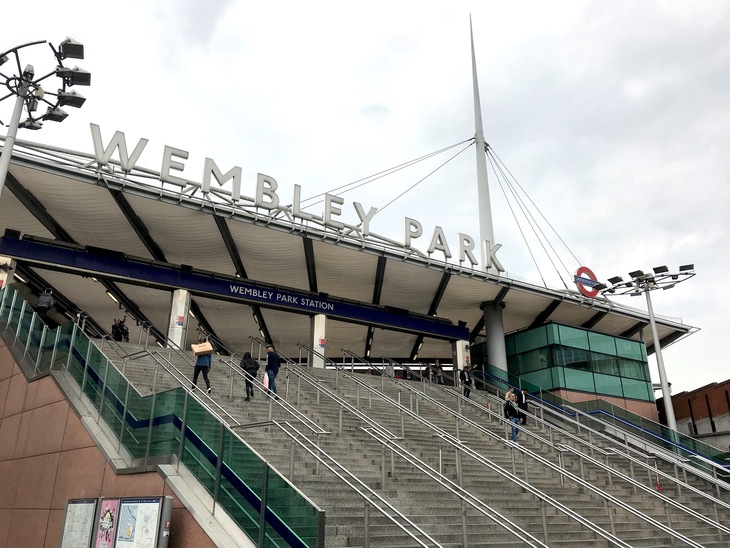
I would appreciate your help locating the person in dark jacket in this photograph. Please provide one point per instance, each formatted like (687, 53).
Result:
(512, 412)
(521, 398)
(202, 365)
(45, 303)
(273, 362)
(465, 378)
(250, 368)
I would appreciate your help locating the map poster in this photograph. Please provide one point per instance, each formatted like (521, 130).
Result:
(107, 523)
(79, 523)
(138, 523)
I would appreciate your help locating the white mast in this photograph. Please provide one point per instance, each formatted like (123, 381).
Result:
(486, 229)
(493, 322)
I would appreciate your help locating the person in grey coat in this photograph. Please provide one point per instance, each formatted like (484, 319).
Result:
(45, 303)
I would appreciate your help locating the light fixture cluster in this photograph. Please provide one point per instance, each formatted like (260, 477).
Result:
(25, 85)
(659, 278)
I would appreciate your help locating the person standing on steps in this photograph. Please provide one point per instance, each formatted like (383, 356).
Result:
(465, 378)
(273, 362)
(250, 368)
(521, 398)
(512, 412)
(45, 303)
(202, 365)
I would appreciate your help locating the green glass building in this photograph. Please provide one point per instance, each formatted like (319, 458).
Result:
(577, 363)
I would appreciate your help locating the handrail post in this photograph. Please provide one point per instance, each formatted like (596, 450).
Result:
(152, 415)
(230, 375)
(20, 319)
(264, 503)
(40, 350)
(218, 467)
(86, 366)
(30, 331)
(543, 512)
(103, 390)
(183, 427)
(55, 349)
(464, 536)
(124, 418)
(366, 524)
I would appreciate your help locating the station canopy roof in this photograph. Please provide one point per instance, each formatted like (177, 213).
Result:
(67, 197)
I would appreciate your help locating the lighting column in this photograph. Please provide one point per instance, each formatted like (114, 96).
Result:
(28, 93)
(646, 283)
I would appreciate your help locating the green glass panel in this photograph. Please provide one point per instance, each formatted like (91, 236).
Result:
(248, 470)
(542, 378)
(630, 349)
(576, 338)
(165, 435)
(530, 340)
(579, 380)
(201, 441)
(602, 363)
(633, 369)
(553, 336)
(292, 508)
(509, 343)
(574, 358)
(608, 385)
(532, 360)
(638, 390)
(136, 423)
(116, 389)
(558, 377)
(601, 343)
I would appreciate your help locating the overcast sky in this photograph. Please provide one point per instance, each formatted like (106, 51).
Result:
(612, 116)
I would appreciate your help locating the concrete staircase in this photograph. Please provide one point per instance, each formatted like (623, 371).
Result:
(358, 458)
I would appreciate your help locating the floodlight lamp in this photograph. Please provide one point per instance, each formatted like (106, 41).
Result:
(55, 114)
(39, 93)
(71, 99)
(3, 59)
(636, 274)
(652, 284)
(612, 290)
(30, 124)
(675, 276)
(71, 49)
(32, 104)
(686, 267)
(74, 76)
(600, 287)
(615, 280)
(660, 269)
(670, 286)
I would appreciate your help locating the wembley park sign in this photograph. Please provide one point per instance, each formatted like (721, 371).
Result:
(265, 194)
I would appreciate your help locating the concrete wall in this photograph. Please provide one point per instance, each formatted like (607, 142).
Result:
(47, 457)
(704, 413)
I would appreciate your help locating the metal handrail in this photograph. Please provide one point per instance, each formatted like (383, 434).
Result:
(586, 485)
(301, 417)
(362, 489)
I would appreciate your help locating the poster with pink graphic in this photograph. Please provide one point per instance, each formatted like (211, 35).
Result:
(108, 517)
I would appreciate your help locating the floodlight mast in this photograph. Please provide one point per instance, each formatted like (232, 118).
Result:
(645, 283)
(26, 88)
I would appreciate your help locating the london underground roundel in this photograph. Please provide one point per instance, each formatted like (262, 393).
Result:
(585, 279)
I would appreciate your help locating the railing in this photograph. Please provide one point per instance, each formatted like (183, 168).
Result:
(613, 475)
(173, 424)
(705, 456)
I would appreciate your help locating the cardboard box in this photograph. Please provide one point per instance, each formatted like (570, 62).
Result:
(202, 348)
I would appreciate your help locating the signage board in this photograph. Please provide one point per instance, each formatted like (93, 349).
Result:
(79, 521)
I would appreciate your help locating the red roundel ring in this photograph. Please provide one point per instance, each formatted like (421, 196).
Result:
(585, 272)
